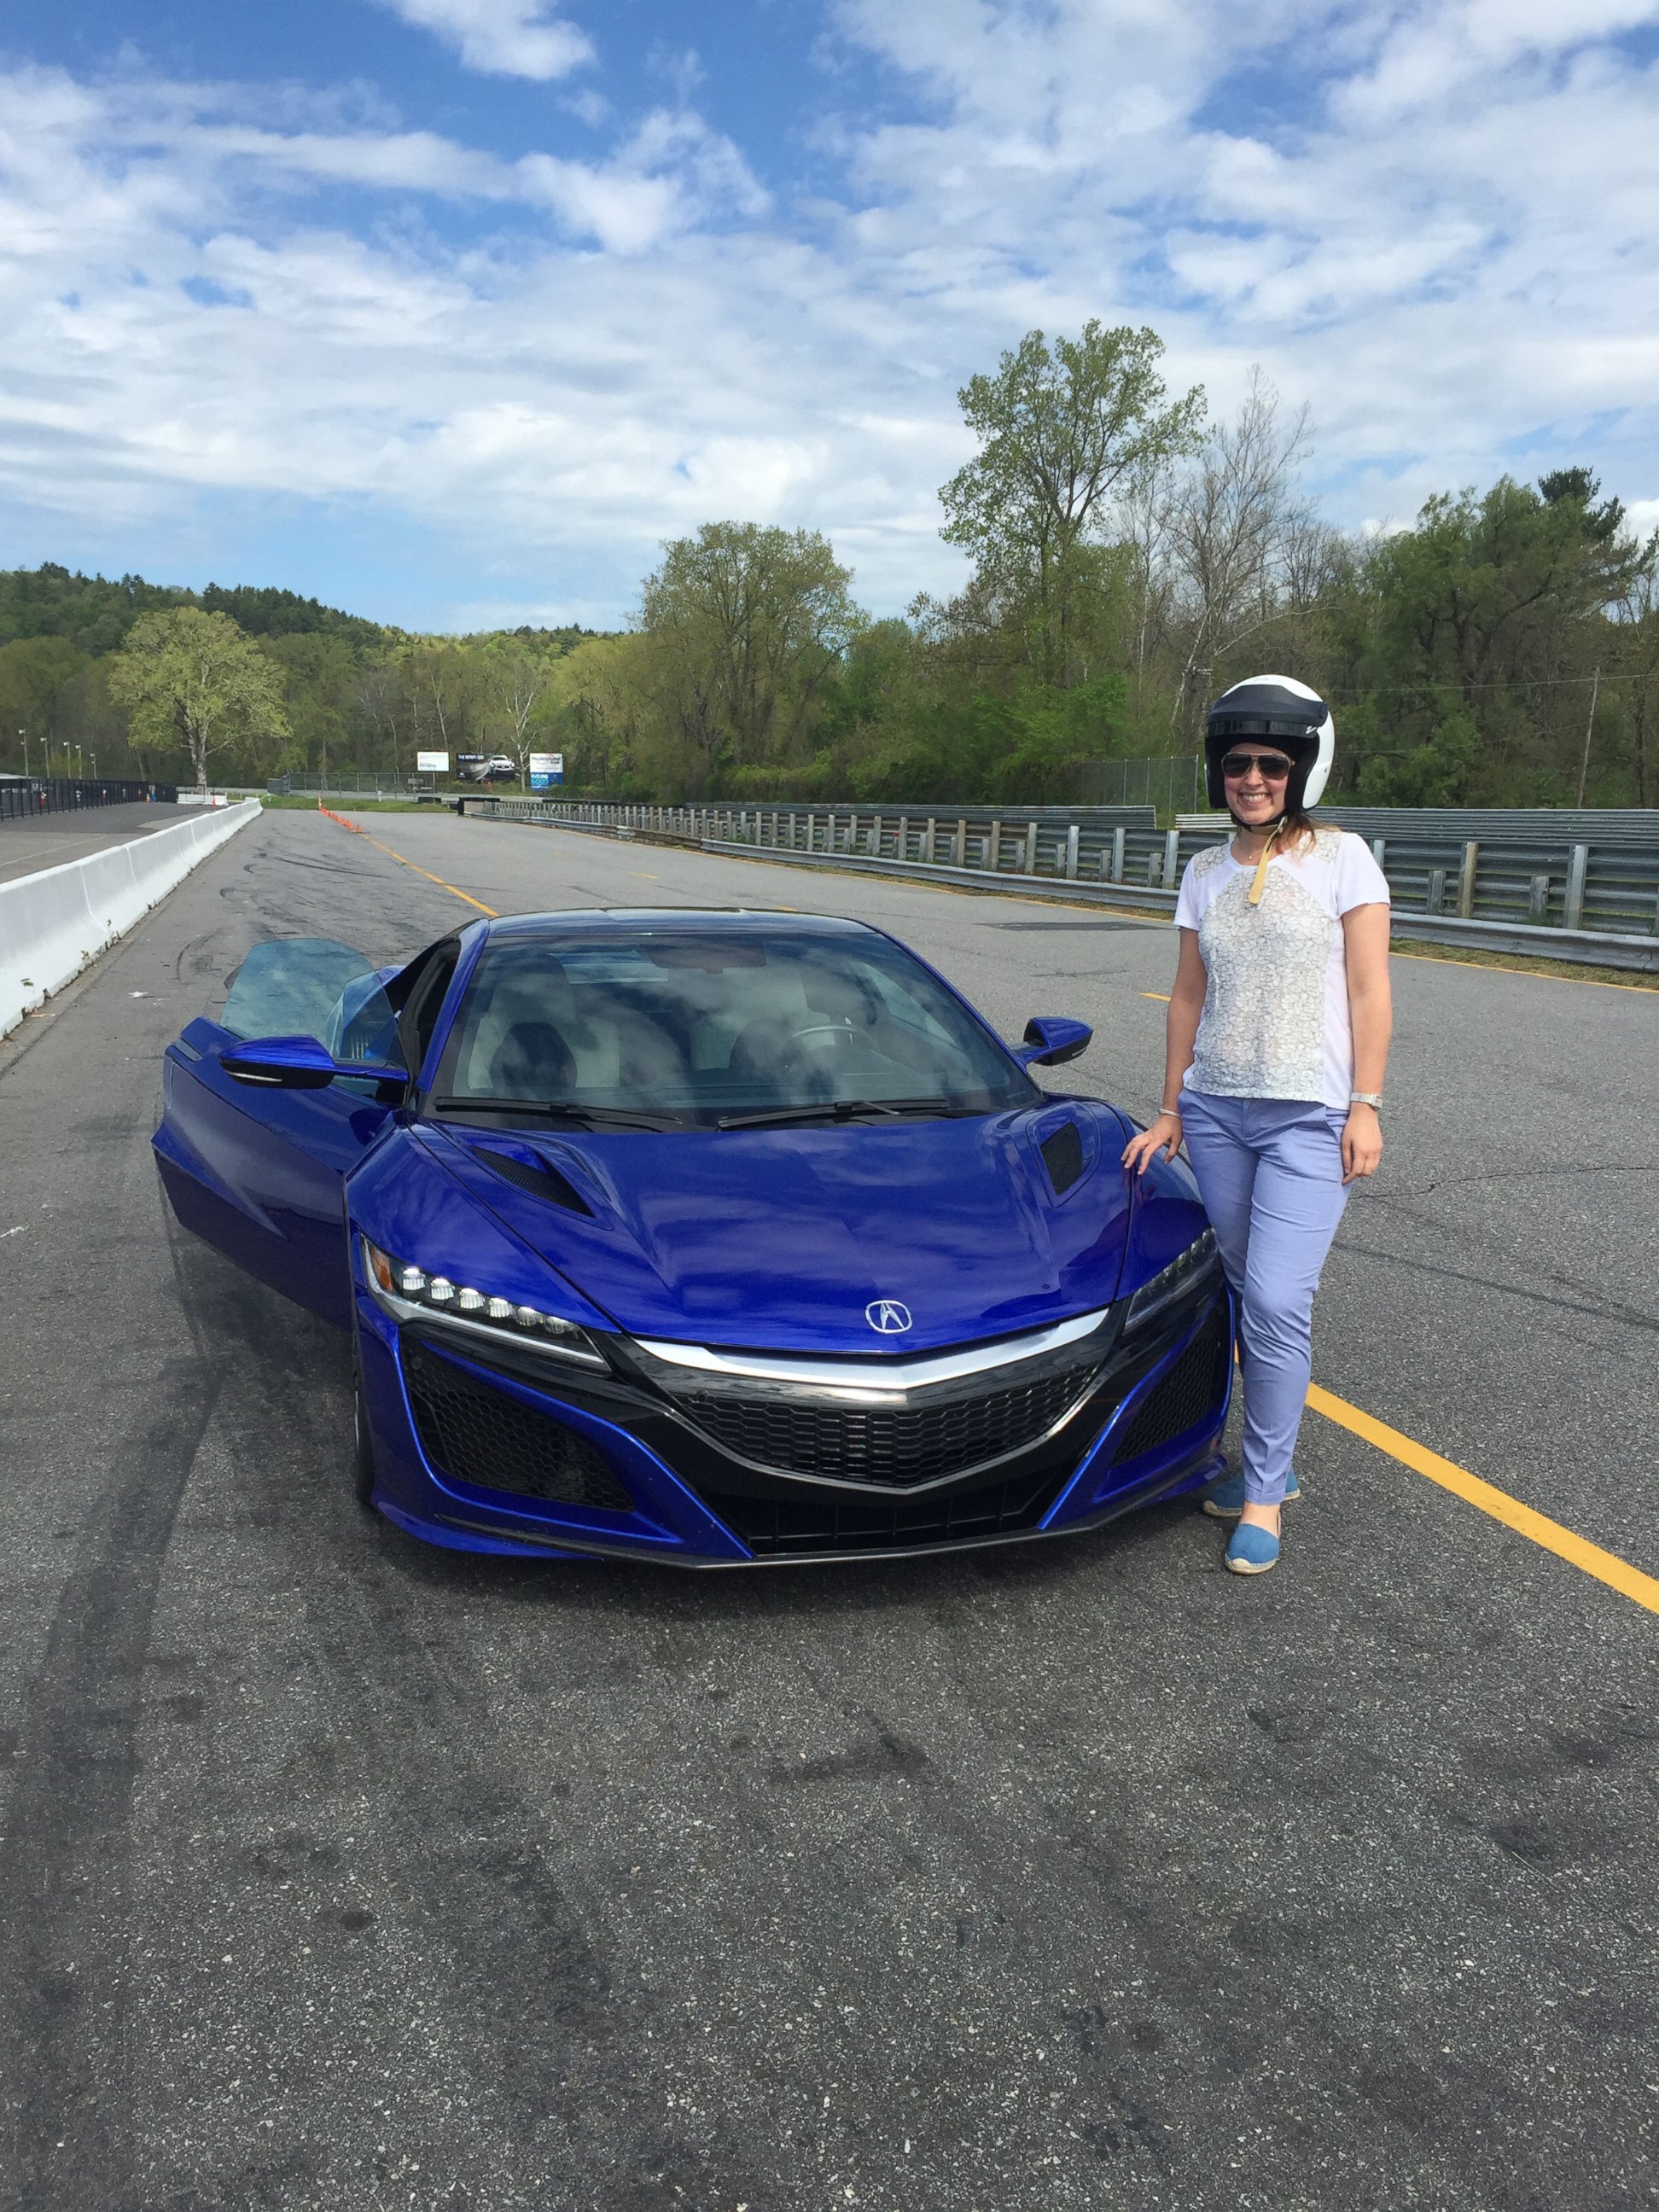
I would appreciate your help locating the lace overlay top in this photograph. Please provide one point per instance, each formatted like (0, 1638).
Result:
(1275, 1022)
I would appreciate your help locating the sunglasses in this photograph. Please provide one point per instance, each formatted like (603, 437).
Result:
(1274, 766)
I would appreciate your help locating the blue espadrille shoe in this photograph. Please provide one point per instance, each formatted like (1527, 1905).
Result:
(1253, 1549)
(1226, 1501)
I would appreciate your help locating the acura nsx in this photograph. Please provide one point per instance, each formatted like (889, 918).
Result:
(714, 1237)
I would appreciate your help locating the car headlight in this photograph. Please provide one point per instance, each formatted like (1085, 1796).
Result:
(1182, 1274)
(452, 1301)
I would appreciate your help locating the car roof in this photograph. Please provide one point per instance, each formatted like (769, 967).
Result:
(600, 922)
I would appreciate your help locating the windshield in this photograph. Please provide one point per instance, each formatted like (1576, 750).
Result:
(672, 1027)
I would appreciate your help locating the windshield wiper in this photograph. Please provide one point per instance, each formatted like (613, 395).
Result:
(556, 1109)
(842, 1110)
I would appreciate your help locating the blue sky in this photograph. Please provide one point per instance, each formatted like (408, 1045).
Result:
(450, 311)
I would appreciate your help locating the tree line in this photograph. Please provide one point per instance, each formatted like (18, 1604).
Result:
(1129, 556)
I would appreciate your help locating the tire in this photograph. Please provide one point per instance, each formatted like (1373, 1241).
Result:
(362, 1476)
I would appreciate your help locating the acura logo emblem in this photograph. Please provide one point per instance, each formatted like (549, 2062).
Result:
(887, 1316)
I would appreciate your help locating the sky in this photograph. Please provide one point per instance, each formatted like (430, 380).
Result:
(451, 312)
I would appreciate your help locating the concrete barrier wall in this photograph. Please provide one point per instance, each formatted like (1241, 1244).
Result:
(54, 924)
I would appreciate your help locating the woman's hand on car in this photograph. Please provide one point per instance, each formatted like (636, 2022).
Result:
(1160, 1141)
(1362, 1143)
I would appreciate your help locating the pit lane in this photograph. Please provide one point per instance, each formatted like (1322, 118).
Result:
(339, 1871)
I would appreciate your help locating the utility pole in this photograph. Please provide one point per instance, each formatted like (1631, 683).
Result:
(1590, 730)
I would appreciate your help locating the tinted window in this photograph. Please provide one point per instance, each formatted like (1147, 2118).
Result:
(290, 987)
(695, 1027)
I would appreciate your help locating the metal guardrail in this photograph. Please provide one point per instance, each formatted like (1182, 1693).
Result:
(1566, 902)
(1000, 840)
(1501, 825)
(1545, 872)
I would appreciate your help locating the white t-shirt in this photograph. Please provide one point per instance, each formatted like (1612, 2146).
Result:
(1275, 1022)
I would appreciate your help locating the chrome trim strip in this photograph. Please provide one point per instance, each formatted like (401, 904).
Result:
(877, 1380)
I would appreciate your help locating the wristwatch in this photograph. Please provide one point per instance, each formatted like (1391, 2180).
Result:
(1372, 1098)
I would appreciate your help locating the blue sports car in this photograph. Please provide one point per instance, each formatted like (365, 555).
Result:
(720, 1238)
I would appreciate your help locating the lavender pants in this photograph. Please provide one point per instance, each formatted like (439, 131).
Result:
(1270, 1173)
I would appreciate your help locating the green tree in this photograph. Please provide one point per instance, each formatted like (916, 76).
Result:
(747, 623)
(194, 679)
(519, 699)
(319, 673)
(1063, 431)
(94, 613)
(1496, 607)
(605, 714)
(38, 677)
(1469, 593)
(1432, 774)
(1633, 664)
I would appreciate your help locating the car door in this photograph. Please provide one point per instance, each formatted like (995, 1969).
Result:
(260, 1171)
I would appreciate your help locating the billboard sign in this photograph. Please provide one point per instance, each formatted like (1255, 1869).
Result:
(546, 769)
(432, 763)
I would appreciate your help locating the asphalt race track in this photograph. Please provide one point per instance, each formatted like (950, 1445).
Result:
(338, 1872)
(49, 841)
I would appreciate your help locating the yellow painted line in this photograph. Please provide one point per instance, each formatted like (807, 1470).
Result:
(431, 878)
(1583, 983)
(1607, 1567)
(1157, 994)
(645, 875)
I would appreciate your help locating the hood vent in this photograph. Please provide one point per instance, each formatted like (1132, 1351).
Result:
(1062, 1154)
(540, 1181)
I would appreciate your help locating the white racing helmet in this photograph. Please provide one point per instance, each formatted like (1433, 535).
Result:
(1273, 710)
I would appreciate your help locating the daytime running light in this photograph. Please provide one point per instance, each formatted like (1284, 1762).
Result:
(1172, 1282)
(456, 1302)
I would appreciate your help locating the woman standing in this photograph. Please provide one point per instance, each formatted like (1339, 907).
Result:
(1279, 1020)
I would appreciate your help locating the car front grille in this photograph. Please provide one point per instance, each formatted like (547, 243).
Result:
(475, 1434)
(1183, 1396)
(832, 1520)
(895, 1449)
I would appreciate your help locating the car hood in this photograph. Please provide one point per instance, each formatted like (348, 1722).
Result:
(782, 1238)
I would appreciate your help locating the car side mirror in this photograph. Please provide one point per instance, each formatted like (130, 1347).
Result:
(1051, 1038)
(299, 1063)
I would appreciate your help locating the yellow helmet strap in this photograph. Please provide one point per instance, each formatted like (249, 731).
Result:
(1259, 882)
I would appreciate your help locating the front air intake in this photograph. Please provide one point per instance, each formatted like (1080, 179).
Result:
(541, 1181)
(475, 1434)
(1187, 1392)
(775, 1528)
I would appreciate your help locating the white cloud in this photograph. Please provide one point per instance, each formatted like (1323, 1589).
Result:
(1432, 54)
(549, 364)
(501, 37)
